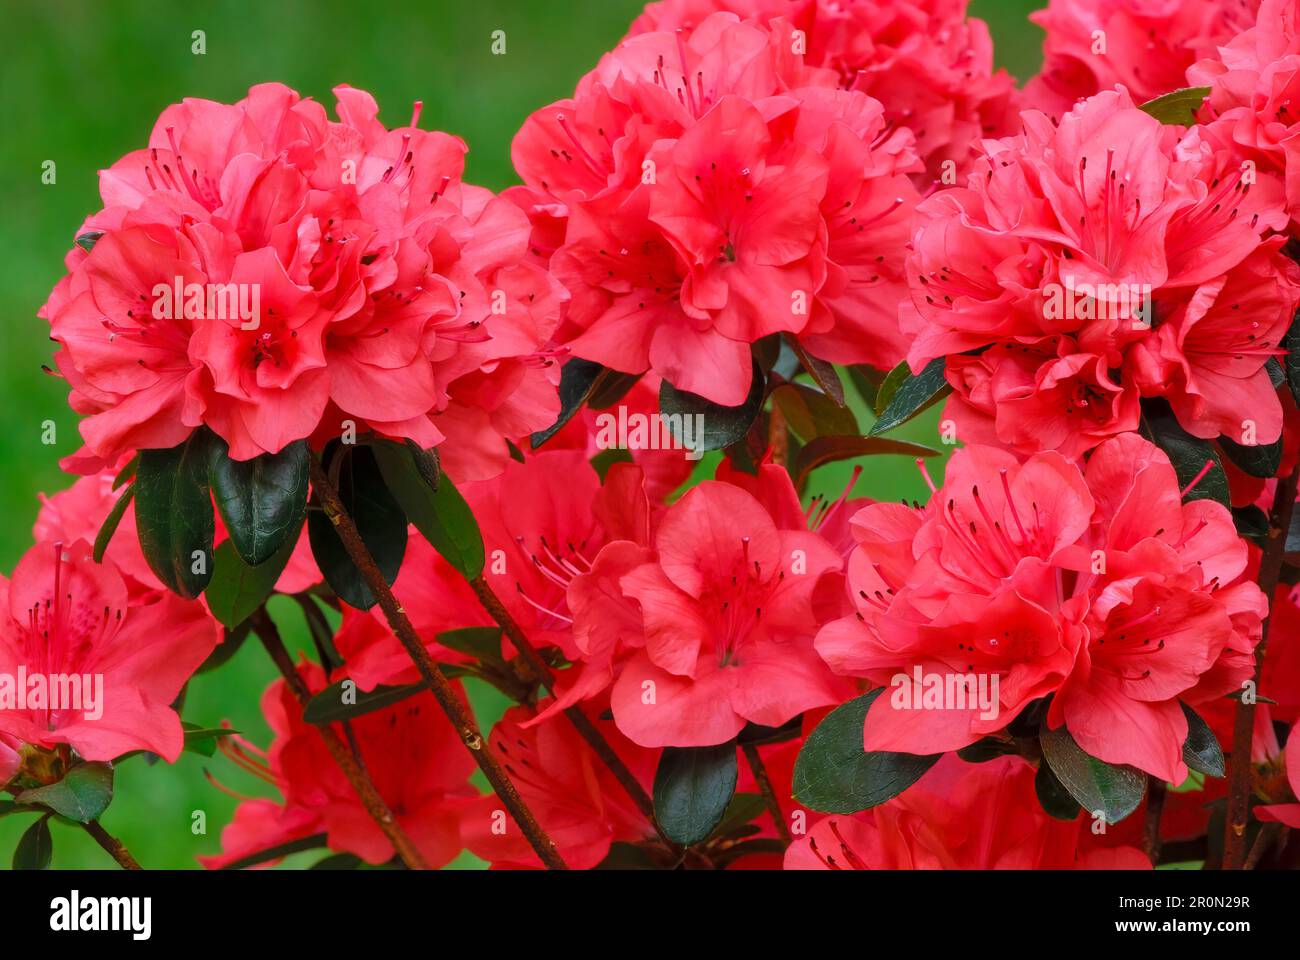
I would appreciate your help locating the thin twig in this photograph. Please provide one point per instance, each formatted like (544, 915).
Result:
(1267, 835)
(765, 785)
(1239, 769)
(461, 718)
(115, 847)
(586, 729)
(269, 634)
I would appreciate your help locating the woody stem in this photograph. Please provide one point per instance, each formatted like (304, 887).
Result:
(461, 718)
(1156, 790)
(765, 785)
(1239, 768)
(348, 762)
(586, 729)
(115, 847)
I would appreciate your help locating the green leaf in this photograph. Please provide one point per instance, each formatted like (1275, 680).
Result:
(1291, 362)
(339, 861)
(328, 706)
(901, 401)
(1055, 799)
(237, 590)
(109, 526)
(481, 643)
(810, 413)
(35, 847)
(442, 515)
(88, 239)
(1201, 750)
(722, 426)
(577, 378)
(8, 807)
(1188, 454)
(1259, 460)
(1179, 107)
(834, 774)
(823, 373)
(173, 514)
(1251, 522)
(986, 749)
(230, 643)
(82, 795)
(755, 734)
(824, 450)
(313, 842)
(743, 808)
(379, 520)
(1099, 787)
(203, 740)
(867, 381)
(692, 788)
(262, 500)
(602, 461)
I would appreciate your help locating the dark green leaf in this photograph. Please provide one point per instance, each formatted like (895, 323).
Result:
(1179, 107)
(1291, 362)
(227, 648)
(722, 426)
(109, 526)
(989, 748)
(757, 735)
(611, 387)
(173, 514)
(328, 706)
(340, 861)
(602, 461)
(262, 500)
(810, 413)
(911, 396)
(35, 847)
(1053, 796)
(277, 852)
(442, 515)
(203, 740)
(8, 807)
(627, 856)
(1251, 522)
(378, 518)
(823, 373)
(866, 380)
(481, 643)
(1260, 460)
(237, 590)
(824, 450)
(834, 774)
(88, 239)
(743, 808)
(1099, 787)
(577, 378)
(1201, 751)
(692, 788)
(82, 795)
(1188, 454)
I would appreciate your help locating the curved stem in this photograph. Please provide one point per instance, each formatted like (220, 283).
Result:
(765, 785)
(348, 761)
(461, 718)
(1270, 569)
(116, 849)
(1156, 790)
(586, 729)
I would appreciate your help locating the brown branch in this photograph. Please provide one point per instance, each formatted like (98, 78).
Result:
(348, 762)
(461, 718)
(765, 785)
(1267, 835)
(1239, 767)
(1156, 791)
(116, 849)
(778, 436)
(586, 729)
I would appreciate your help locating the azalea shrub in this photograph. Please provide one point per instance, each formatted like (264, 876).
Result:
(561, 441)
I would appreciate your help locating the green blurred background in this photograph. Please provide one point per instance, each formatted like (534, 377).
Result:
(81, 84)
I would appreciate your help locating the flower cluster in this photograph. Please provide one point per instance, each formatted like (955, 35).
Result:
(1088, 264)
(274, 275)
(454, 427)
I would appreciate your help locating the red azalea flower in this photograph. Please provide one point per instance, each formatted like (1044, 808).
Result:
(62, 615)
(411, 752)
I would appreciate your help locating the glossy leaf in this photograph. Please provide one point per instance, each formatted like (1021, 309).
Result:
(262, 500)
